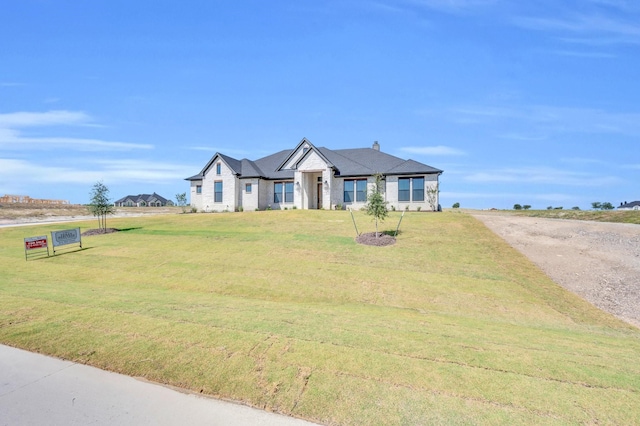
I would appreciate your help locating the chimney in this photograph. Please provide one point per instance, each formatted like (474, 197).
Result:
(376, 146)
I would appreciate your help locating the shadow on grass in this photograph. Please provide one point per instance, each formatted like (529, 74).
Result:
(70, 251)
(58, 253)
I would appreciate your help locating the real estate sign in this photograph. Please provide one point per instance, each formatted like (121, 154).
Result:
(64, 237)
(35, 243)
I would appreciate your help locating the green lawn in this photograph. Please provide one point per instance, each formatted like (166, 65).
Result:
(284, 311)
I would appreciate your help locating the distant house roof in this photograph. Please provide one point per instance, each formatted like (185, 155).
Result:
(634, 205)
(345, 162)
(147, 198)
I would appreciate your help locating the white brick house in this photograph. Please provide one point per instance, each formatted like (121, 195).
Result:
(308, 177)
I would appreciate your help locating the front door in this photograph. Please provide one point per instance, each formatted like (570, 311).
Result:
(319, 196)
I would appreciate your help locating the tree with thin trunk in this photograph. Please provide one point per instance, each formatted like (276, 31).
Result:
(376, 205)
(100, 205)
(181, 199)
(432, 196)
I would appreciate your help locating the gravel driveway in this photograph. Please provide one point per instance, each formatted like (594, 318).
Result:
(598, 261)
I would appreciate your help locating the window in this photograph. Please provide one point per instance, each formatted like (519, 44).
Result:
(418, 189)
(217, 191)
(283, 191)
(404, 191)
(348, 191)
(247, 188)
(411, 189)
(355, 190)
(361, 190)
(198, 189)
(277, 192)
(218, 169)
(288, 192)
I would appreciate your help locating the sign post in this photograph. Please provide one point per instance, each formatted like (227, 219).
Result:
(35, 243)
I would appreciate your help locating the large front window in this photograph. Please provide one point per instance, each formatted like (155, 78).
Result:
(283, 192)
(217, 191)
(355, 190)
(411, 189)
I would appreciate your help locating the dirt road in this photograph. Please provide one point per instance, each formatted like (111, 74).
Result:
(598, 261)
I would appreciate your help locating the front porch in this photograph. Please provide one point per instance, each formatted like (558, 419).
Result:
(313, 189)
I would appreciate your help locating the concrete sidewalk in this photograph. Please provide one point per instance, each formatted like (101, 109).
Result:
(37, 390)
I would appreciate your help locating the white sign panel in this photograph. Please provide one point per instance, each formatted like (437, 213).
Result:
(68, 236)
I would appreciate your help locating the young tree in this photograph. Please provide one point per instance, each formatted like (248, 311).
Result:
(456, 206)
(181, 200)
(432, 195)
(526, 207)
(596, 205)
(376, 205)
(100, 205)
(517, 207)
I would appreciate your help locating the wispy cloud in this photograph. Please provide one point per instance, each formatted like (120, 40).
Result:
(237, 153)
(432, 150)
(586, 55)
(542, 175)
(37, 119)
(110, 171)
(543, 119)
(452, 5)
(495, 196)
(589, 27)
(12, 137)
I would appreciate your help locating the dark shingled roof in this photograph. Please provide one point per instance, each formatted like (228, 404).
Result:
(346, 162)
(629, 205)
(143, 197)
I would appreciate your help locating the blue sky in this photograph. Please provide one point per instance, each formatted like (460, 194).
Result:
(518, 102)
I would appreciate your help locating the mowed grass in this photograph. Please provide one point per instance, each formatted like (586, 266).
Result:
(282, 310)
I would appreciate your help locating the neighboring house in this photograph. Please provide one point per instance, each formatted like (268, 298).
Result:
(634, 205)
(308, 177)
(143, 200)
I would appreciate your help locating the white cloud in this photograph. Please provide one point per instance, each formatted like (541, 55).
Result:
(591, 27)
(542, 175)
(432, 150)
(453, 5)
(533, 196)
(128, 170)
(11, 138)
(544, 119)
(50, 118)
(83, 171)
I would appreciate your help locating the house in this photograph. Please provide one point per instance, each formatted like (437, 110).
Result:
(310, 177)
(143, 200)
(634, 205)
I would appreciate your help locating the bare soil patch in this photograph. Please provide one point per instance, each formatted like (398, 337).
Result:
(370, 239)
(92, 232)
(599, 261)
(12, 214)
